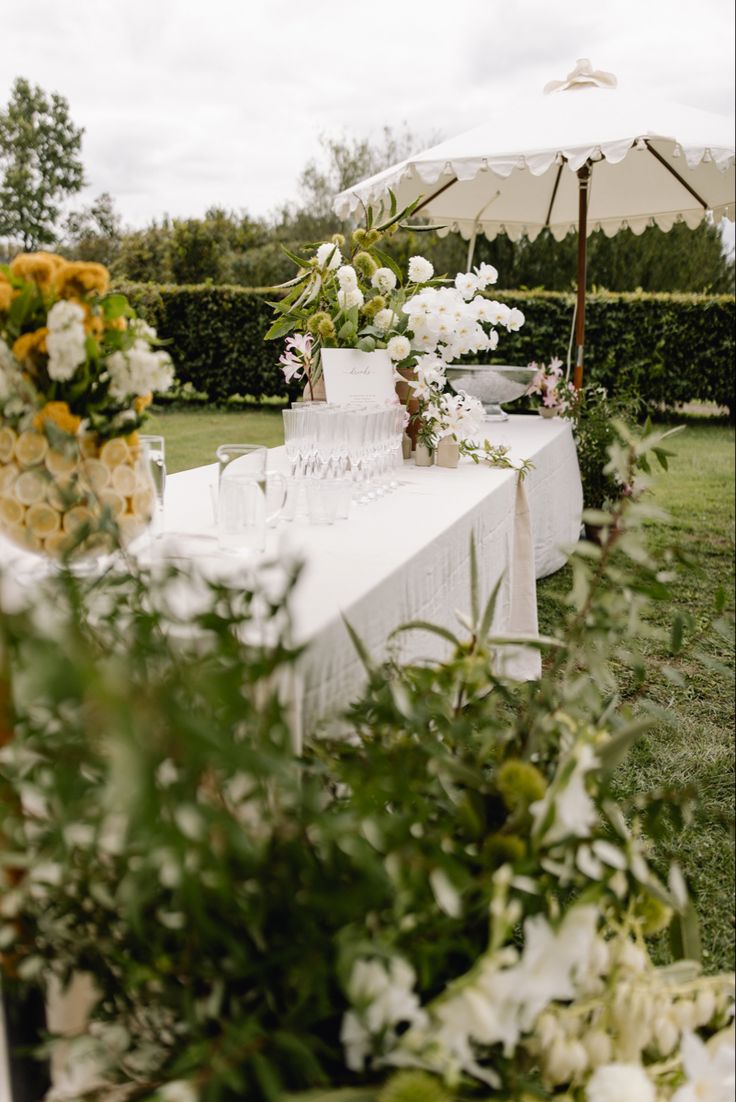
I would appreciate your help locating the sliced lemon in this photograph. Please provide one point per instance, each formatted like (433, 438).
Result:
(58, 463)
(96, 474)
(88, 446)
(130, 527)
(63, 493)
(123, 480)
(114, 452)
(30, 487)
(112, 501)
(141, 503)
(76, 517)
(20, 535)
(42, 520)
(8, 474)
(30, 448)
(56, 543)
(11, 511)
(7, 443)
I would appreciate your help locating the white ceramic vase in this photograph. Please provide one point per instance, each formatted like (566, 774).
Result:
(448, 452)
(423, 457)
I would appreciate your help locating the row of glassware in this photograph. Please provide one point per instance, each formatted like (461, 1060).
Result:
(358, 445)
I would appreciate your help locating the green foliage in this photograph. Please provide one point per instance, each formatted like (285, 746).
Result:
(160, 833)
(596, 418)
(657, 349)
(93, 233)
(39, 164)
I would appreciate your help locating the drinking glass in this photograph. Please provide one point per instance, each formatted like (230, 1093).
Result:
(242, 515)
(154, 451)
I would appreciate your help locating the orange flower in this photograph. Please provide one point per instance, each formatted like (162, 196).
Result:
(77, 278)
(118, 323)
(60, 414)
(29, 345)
(142, 402)
(39, 267)
(94, 325)
(6, 294)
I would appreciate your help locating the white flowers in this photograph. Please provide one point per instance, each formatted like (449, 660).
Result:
(139, 371)
(458, 416)
(398, 348)
(347, 277)
(566, 809)
(385, 319)
(382, 997)
(328, 256)
(710, 1068)
(485, 275)
(65, 341)
(384, 280)
(467, 284)
(348, 297)
(616, 1082)
(420, 270)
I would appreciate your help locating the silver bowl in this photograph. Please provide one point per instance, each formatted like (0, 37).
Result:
(492, 384)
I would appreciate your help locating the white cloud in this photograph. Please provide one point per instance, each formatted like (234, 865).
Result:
(186, 104)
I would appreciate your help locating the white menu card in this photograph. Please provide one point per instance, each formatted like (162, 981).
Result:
(351, 374)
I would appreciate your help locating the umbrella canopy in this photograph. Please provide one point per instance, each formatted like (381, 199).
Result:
(581, 155)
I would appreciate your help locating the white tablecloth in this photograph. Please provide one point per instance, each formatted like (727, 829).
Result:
(407, 557)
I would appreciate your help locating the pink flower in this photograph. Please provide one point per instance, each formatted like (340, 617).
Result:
(297, 358)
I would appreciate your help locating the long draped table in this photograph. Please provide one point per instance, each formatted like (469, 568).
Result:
(406, 556)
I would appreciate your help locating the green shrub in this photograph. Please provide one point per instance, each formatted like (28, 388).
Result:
(662, 348)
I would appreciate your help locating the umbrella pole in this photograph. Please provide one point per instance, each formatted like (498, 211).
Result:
(583, 183)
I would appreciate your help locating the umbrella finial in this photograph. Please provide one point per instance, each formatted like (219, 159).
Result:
(582, 76)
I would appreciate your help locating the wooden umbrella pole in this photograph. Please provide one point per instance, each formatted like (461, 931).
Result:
(583, 183)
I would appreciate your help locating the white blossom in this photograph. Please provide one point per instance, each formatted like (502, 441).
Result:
(574, 810)
(349, 297)
(398, 348)
(385, 320)
(709, 1068)
(616, 1082)
(347, 277)
(420, 270)
(178, 1090)
(65, 340)
(515, 320)
(467, 284)
(329, 256)
(486, 274)
(384, 280)
(139, 370)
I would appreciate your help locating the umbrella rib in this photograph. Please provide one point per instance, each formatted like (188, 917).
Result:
(554, 195)
(676, 174)
(429, 198)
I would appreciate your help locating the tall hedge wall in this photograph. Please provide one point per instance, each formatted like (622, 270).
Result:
(665, 348)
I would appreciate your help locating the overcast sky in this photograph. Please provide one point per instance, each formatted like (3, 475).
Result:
(189, 104)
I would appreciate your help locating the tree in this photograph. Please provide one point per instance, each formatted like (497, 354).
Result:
(39, 164)
(94, 232)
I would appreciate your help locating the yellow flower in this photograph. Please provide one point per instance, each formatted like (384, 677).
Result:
(117, 323)
(77, 278)
(6, 294)
(60, 414)
(29, 345)
(93, 323)
(142, 402)
(39, 267)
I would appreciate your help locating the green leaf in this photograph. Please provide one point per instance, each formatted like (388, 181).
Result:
(613, 752)
(685, 934)
(281, 327)
(359, 645)
(424, 625)
(474, 605)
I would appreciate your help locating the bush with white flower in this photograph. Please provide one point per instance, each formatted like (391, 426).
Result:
(556, 392)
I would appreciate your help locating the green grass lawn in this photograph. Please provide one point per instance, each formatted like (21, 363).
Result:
(696, 747)
(193, 435)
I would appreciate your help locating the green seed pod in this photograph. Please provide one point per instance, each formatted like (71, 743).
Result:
(520, 783)
(503, 849)
(372, 305)
(414, 1086)
(364, 264)
(360, 236)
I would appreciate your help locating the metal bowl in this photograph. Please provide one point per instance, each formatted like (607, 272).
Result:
(492, 384)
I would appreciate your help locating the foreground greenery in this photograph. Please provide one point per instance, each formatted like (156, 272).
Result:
(460, 887)
(695, 745)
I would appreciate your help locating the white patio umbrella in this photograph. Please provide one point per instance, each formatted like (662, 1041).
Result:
(580, 156)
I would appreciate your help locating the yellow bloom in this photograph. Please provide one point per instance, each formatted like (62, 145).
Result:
(77, 278)
(29, 345)
(118, 323)
(93, 323)
(6, 294)
(38, 267)
(60, 414)
(142, 402)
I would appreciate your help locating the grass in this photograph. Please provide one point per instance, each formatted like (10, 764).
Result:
(192, 435)
(696, 747)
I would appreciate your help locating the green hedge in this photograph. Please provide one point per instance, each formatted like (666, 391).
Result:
(666, 348)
